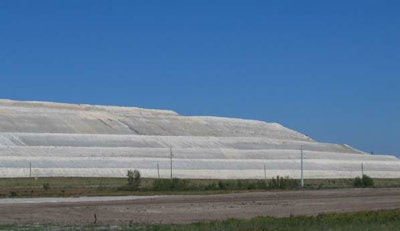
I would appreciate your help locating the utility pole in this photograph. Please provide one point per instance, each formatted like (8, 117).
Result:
(265, 172)
(30, 169)
(170, 152)
(362, 169)
(302, 168)
(158, 170)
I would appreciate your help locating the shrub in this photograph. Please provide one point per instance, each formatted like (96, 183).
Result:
(357, 182)
(174, 184)
(221, 185)
(161, 184)
(46, 186)
(261, 184)
(179, 184)
(211, 186)
(239, 184)
(365, 181)
(228, 185)
(134, 178)
(251, 186)
(283, 183)
(13, 194)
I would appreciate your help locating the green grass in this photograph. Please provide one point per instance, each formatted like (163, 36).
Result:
(75, 186)
(358, 221)
(60, 181)
(378, 220)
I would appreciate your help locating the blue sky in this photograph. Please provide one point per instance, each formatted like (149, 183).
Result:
(329, 69)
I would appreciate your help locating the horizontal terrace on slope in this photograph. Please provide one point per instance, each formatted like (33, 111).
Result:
(139, 141)
(181, 153)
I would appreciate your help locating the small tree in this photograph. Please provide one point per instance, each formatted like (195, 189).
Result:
(134, 178)
(365, 181)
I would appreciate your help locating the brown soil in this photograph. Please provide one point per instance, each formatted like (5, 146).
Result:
(186, 209)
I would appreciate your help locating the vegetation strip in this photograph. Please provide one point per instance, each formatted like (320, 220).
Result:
(370, 220)
(134, 185)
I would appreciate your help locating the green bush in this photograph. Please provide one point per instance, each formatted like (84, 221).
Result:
(161, 184)
(262, 184)
(211, 186)
(228, 185)
(174, 184)
(283, 183)
(358, 182)
(134, 179)
(365, 181)
(222, 185)
(13, 194)
(179, 184)
(46, 186)
(251, 186)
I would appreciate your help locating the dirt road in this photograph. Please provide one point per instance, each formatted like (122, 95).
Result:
(186, 209)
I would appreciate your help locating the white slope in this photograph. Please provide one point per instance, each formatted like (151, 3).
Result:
(85, 140)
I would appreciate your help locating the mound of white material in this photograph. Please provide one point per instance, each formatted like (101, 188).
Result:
(85, 140)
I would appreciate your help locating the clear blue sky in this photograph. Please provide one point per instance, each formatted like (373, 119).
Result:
(329, 69)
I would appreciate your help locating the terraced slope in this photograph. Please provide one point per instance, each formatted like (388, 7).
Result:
(85, 140)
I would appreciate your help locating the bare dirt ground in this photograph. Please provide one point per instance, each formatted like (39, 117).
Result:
(192, 208)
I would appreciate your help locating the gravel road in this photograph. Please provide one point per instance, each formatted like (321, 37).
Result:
(192, 208)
